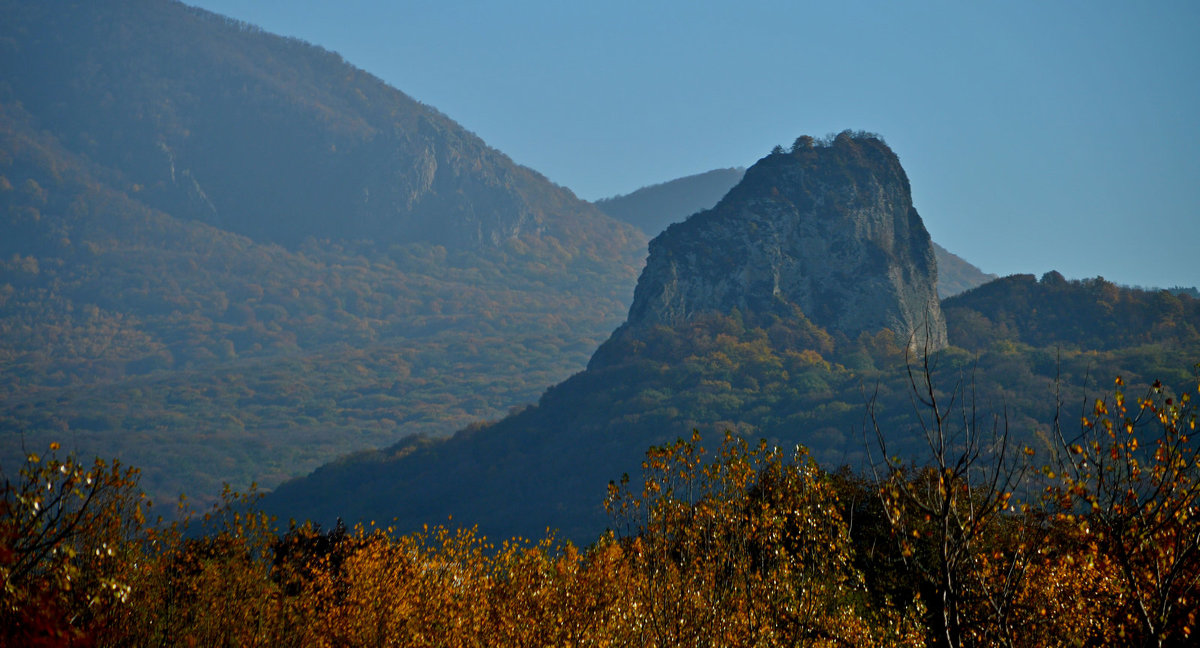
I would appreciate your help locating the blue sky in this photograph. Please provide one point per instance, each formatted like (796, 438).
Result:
(1036, 135)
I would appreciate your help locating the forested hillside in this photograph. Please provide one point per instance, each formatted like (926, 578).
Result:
(789, 383)
(1016, 347)
(1077, 315)
(229, 256)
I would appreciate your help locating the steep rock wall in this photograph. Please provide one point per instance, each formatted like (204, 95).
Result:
(829, 228)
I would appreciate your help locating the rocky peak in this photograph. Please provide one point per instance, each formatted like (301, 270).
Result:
(828, 227)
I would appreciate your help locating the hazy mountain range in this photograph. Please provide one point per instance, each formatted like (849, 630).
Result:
(230, 256)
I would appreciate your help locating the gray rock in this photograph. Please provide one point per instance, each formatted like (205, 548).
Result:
(829, 227)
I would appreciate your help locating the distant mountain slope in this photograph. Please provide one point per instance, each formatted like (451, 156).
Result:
(269, 137)
(229, 256)
(652, 208)
(655, 207)
(956, 275)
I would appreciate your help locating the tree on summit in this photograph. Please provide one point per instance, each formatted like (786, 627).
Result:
(803, 143)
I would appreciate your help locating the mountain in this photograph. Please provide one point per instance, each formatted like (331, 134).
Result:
(652, 209)
(763, 368)
(829, 229)
(227, 256)
(1092, 314)
(210, 119)
(718, 338)
(956, 275)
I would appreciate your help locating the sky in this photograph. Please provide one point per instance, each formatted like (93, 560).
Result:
(1036, 136)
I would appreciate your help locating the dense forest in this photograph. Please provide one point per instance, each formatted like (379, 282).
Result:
(762, 376)
(980, 541)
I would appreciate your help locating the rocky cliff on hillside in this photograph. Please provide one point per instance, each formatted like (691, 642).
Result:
(652, 209)
(214, 120)
(829, 228)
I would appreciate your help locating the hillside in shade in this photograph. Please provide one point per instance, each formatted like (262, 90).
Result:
(655, 207)
(231, 256)
(759, 368)
(956, 275)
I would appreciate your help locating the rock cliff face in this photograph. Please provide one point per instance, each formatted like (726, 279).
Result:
(829, 228)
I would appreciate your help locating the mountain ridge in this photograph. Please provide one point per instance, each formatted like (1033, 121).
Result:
(545, 466)
(653, 208)
(769, 373)
(750, 367)
(830, 228)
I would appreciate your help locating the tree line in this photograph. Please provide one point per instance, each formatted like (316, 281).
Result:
(983, 541)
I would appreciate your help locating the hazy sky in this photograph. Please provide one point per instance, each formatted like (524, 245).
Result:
(1036, 135)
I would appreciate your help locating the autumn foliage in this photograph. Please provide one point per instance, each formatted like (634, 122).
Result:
(1091, 540)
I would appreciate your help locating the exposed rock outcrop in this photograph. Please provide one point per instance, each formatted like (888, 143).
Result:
(828, 227)
(652, 209)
